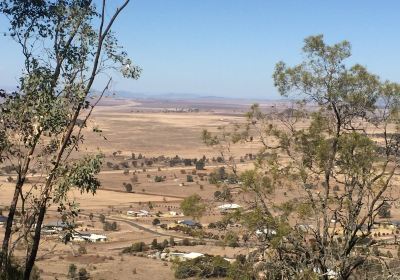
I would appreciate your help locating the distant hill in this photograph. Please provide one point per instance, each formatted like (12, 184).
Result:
(190, 96)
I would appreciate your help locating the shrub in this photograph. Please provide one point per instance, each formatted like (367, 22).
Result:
(165, 243)
(82, 250)
(72, 271)
(134, 179)
(154, 244)
(241, 269)
(202, 267)
(158, 179)
(185, 242)
(135, 248)
(384, 211)
(107, 226)
(189, 178)
(83, 274)
(231, 239)
(211, 225)
(128, 187)
(200, 165)
(102, 218)
(156, 222)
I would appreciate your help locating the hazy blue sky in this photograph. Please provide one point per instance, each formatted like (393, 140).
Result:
(230, 47)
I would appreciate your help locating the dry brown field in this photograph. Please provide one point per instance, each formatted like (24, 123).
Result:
(131, 127)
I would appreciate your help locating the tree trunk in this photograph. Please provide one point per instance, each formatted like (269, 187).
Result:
(30, 261)
(9, 223)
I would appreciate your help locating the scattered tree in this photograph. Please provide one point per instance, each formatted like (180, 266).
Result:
(335, 148)
(193, 206)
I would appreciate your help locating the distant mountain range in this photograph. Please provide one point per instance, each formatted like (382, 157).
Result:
(182, 96)
(173, 96)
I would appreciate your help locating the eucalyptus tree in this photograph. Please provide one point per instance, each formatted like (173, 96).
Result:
(333, 158)
(65, 45)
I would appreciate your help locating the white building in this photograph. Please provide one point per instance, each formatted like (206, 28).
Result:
(228, 207)
(89, 237)
(140, 213)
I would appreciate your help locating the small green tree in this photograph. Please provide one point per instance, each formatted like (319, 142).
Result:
(193, 206)
(154, 244)
(189, 178)
(102, 218)
(72, 271)
(231, 239)
(200, 165)
(158, 179)
(128, 187)
(313, 151)
(83, 274)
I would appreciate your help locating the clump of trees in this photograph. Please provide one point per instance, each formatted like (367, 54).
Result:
(110, 226)
(73, 273)
(135, 248)
(333, 151)
(214, 267)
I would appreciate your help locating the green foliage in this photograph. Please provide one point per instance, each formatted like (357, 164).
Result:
(193, 206)
(107, 226)
(80, 175)
(154, 244)
(83, 274)
(128, 187)
(72, 271)
(189, 178)
(102, 218)
(305, 210)
(158, 179)
(135, 248)
(200, 165)
(41, 124)
(217, 176)
(186, 242)
(202, 267)
(384, 210)
(241, 269)
(14, 271)
(231, 239)
(209, 139)
(82, 250)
